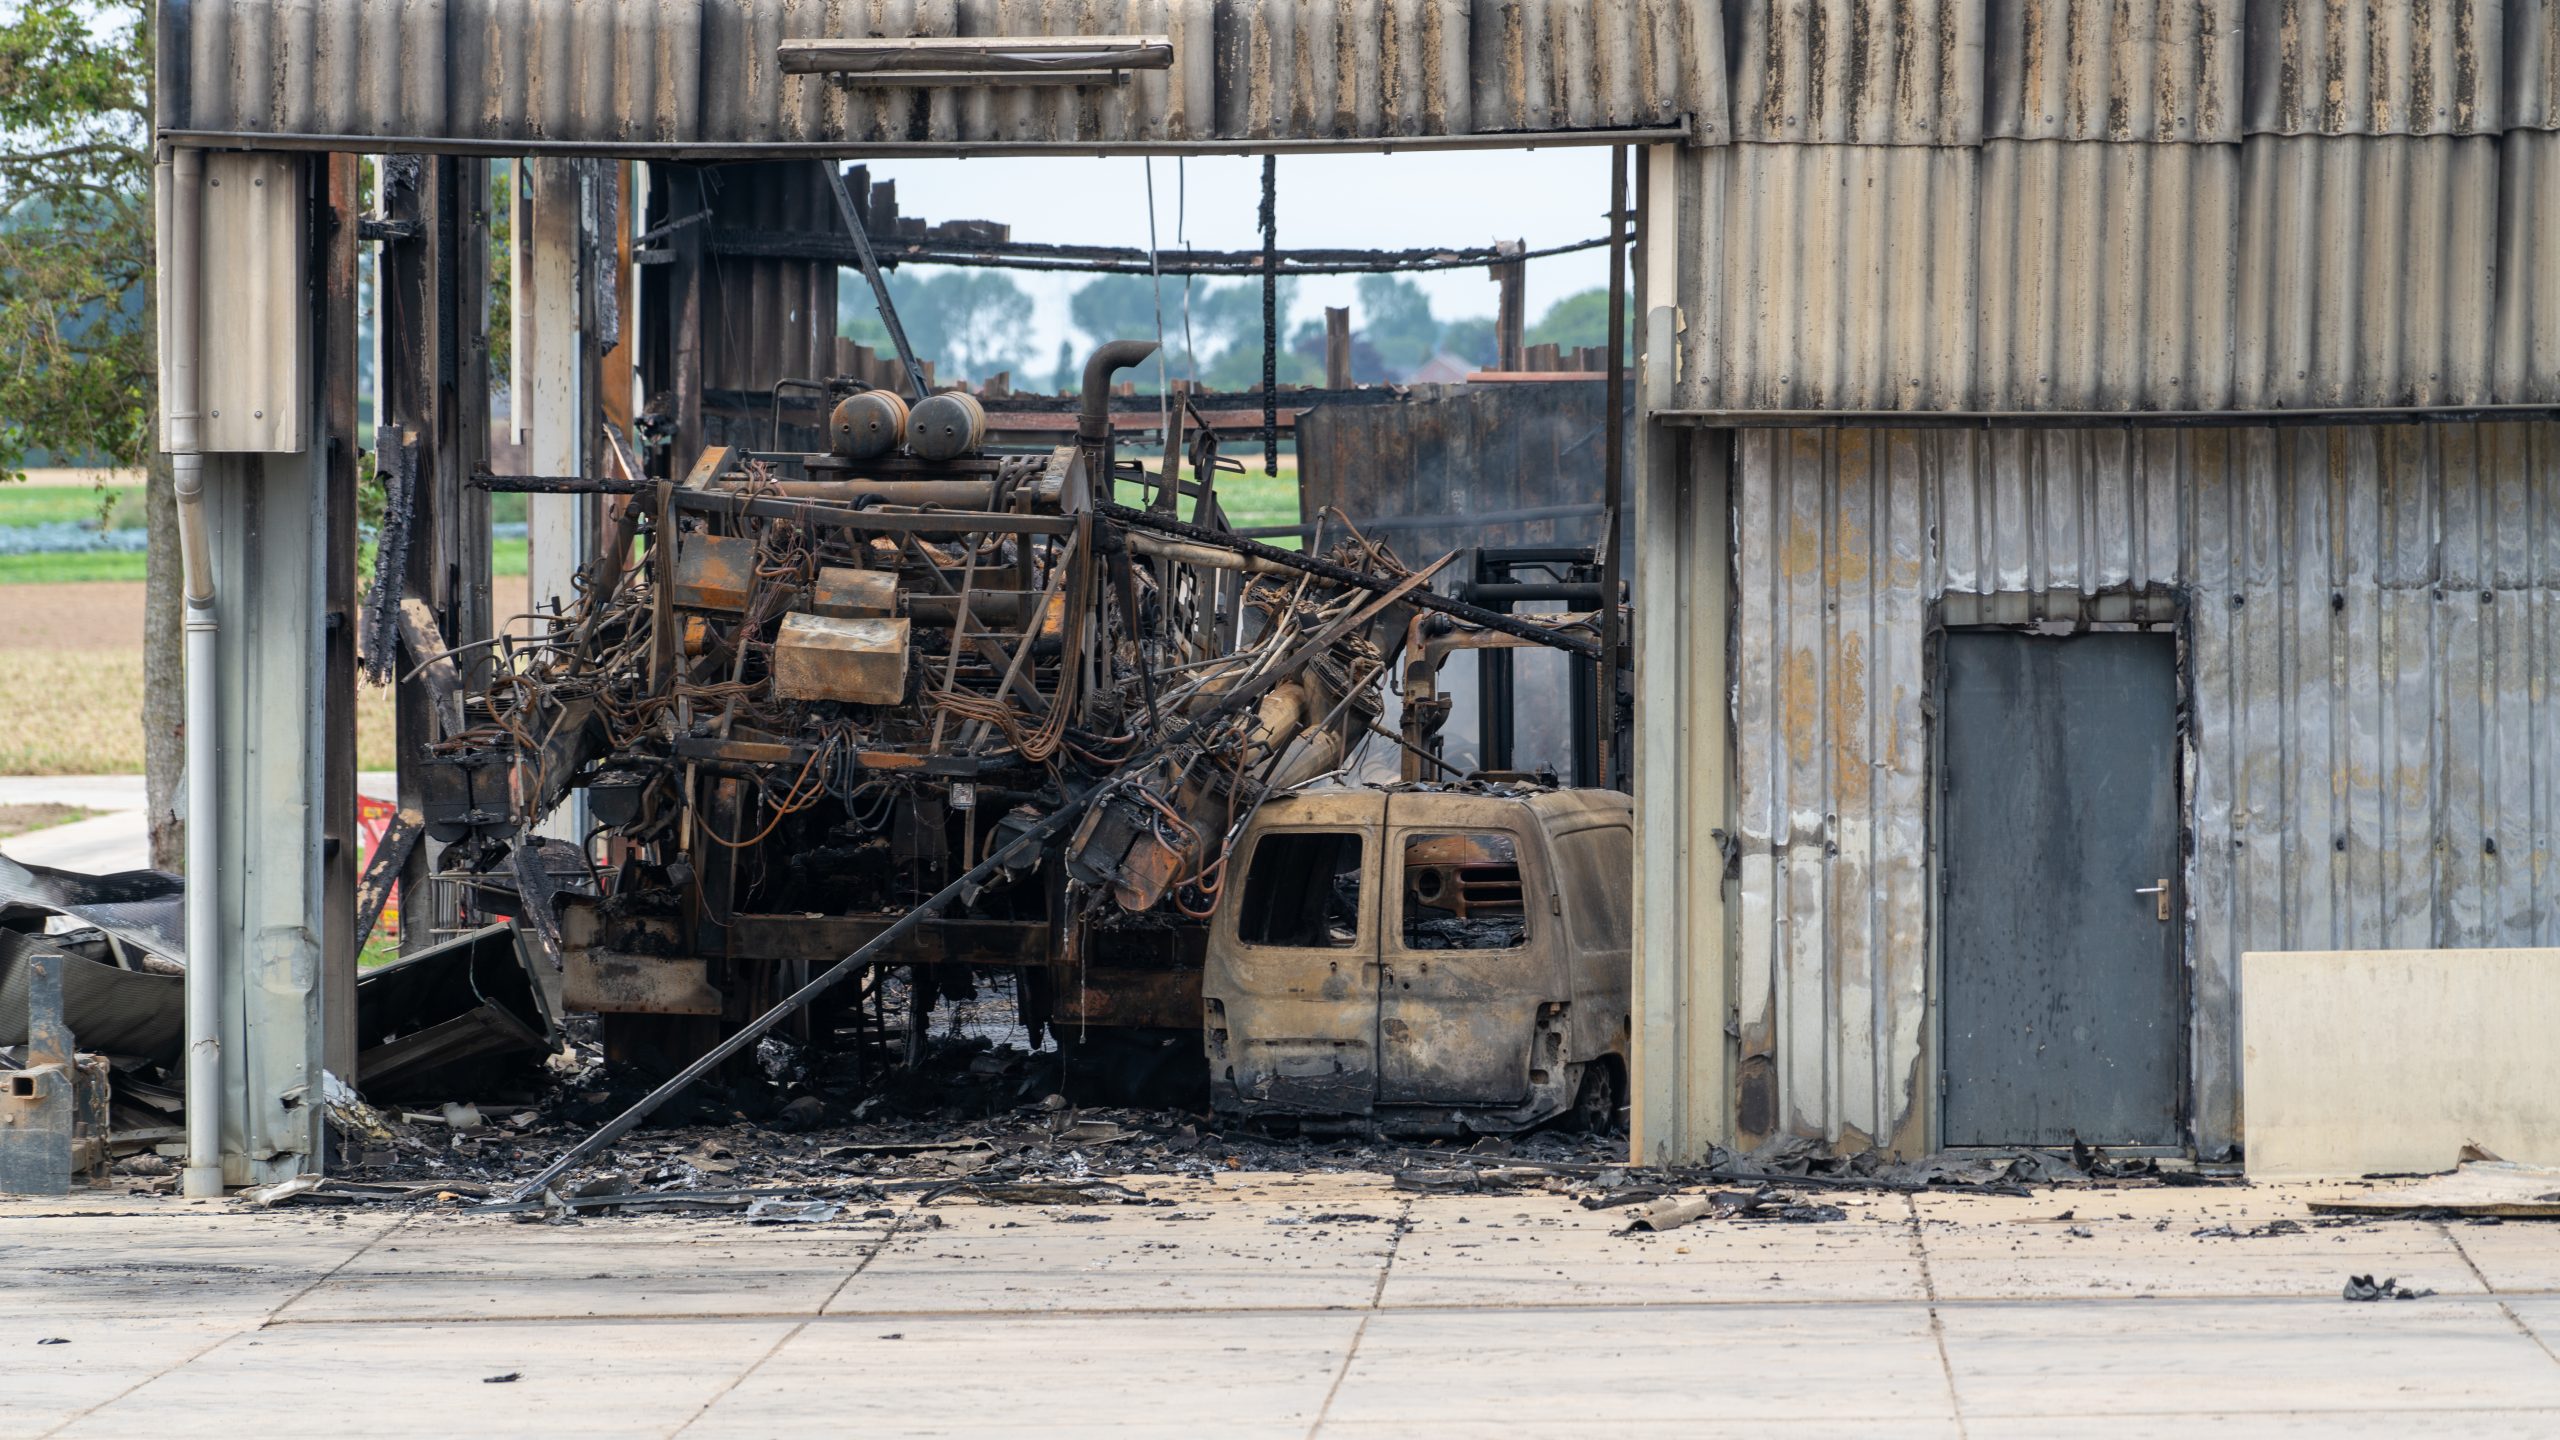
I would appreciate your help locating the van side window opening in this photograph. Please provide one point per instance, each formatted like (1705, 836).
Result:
(1302, 891)
(1462, 892)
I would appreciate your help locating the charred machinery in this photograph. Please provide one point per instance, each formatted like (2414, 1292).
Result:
(801, 694)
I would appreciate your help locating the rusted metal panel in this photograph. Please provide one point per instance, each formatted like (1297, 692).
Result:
(662, 73)
(2379, 67)
(589, 70)
(714, 572)
(2144, 70)
(1449, 466)
(1859, 72)
(816, 657)
(293, 66)
(2369, 619)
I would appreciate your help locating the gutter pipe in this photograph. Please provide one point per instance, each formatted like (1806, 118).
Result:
(183, 181)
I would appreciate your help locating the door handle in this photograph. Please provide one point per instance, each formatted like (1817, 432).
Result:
(2160, 892)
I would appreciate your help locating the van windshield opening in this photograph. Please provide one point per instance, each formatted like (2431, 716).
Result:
(1303, 891)
(1462, 892)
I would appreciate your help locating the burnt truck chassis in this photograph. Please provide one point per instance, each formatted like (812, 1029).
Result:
(830, 684)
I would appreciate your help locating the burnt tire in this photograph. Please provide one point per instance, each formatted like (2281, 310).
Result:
(1599, 1101)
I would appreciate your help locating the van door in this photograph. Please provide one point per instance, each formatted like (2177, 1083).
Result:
(1462, 916)
(1298, 1009)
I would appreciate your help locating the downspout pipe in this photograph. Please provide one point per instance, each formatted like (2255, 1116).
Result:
(183, 181)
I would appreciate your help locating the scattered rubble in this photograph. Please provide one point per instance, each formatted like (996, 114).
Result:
(2361, 1288)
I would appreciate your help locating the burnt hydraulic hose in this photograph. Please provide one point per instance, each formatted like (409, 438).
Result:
(985, 870)
(1344, 575)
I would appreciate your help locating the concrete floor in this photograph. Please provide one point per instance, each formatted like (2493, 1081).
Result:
(1268, 1305)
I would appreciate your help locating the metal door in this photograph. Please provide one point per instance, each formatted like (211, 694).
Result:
(1464, 954)
(2064, 1001)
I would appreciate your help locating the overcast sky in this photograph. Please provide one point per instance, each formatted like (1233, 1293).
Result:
(1393, 202)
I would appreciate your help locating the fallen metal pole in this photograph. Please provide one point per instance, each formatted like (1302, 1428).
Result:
(1344, 575)
(1235, 700)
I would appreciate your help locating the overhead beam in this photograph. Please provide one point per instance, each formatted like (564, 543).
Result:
(976, 57)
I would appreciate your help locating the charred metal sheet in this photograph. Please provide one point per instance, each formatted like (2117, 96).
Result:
(450, 1018)
(142, 908)
(114, 1011)
(1453, 455)
(2365, 619)
(665, 73)
(608, 983)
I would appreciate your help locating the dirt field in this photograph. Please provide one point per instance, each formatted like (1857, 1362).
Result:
(71, 683)
(94, 615)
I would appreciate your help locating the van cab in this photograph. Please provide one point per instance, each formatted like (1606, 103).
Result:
(1424, 960)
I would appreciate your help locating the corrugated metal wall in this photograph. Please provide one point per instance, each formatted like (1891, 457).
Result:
(2150, 205)
(654, 72)
(2286, 272)
(2372, 637)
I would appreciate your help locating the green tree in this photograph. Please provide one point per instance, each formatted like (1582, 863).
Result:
(1225, 318)
(79, 368)
(1395, 316)
(1579, 319)
(969, 323)
(1470, 340)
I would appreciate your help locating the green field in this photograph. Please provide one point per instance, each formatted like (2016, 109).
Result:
(1251, 501)
(506, 557)
(70, 504)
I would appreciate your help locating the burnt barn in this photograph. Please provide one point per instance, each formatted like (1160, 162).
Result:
(2089, 480)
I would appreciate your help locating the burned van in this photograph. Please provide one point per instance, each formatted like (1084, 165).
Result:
(1424, 961)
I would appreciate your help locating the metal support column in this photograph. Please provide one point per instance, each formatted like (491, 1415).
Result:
(556, 354)
(1683, 1101)
(268, 520)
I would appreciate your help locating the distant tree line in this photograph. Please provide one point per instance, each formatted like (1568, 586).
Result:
(976, 323)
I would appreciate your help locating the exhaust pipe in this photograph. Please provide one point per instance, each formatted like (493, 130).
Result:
(1093, 422)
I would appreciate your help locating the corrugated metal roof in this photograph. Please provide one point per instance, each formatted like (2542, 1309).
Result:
(2287, 272)
(1954, 72)
(2372, 617)
(650, 74)
(1857, 72)
(1866, 72)
(2163, 70)
(2379, 67)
